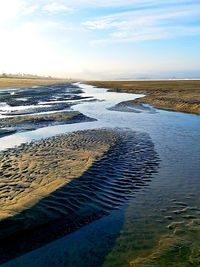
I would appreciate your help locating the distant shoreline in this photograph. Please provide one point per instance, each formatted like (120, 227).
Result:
(175, 95)
(9, 82)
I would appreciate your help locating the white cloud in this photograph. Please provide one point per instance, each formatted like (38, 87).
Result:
(110, 3)
(57, 7)
(147, 24)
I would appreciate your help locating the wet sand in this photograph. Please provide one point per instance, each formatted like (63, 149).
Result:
(165, 233)
(130, 106)
(183, 95)
(180, 248)
(36, 99)
(31, 108)
(32, 122)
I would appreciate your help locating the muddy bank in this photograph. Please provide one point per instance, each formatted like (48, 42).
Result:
(131, 106)
(181, 95)
(33, 122)
(25, 109)
(39, 99)
(55, 186)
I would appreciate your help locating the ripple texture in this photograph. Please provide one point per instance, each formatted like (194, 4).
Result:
(127, 167)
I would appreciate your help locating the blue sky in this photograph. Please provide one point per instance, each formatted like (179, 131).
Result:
(112, 39)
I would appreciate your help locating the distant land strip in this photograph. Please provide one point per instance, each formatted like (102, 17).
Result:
(175, 95)
(9, 82)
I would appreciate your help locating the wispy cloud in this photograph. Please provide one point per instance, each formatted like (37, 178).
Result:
(110, 3)
(55, 7)
(15, 9)
(146, 24)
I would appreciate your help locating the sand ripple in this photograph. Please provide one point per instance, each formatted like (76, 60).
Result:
(104, 184)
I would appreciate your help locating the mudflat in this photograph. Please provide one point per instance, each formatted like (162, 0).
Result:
(37, 118)
(9, 125)
(176, 95)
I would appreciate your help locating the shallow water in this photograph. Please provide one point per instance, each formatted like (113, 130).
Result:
(118, 238)
(97, 108)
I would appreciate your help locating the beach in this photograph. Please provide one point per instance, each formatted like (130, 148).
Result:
(87, 174)
(100, 133)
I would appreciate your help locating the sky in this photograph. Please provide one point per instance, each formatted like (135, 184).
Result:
(101, 39)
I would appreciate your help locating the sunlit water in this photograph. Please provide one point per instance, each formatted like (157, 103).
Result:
(176, 137)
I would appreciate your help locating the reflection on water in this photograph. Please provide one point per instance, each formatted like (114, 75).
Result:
(172, 196)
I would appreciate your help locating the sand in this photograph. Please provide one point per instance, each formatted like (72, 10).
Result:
(31, 172)
(52, 187)
(32, 122)
(180, 95)
(183, 95)
(38, 118)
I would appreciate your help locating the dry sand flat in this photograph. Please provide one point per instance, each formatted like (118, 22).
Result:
(31, 172)
(183, 95)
